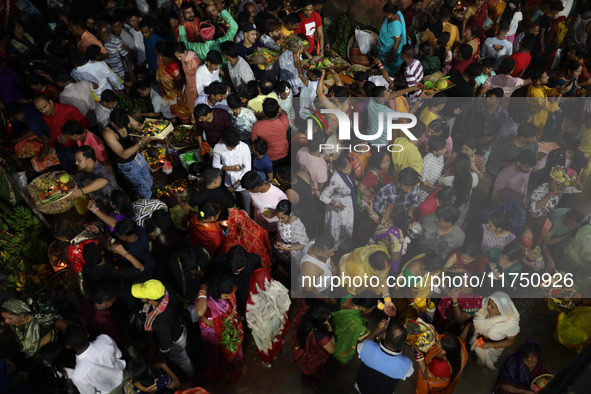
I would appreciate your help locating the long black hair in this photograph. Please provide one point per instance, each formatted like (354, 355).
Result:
(220, 283)
(462, 179)
(121, 202)
(453, 352)
(313, 319)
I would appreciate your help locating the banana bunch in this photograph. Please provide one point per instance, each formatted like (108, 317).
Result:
(22, 219)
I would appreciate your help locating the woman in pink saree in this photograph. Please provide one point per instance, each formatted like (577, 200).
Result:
(190, 62)
(221, 328)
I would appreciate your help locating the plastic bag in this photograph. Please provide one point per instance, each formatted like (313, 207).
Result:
(364, 40)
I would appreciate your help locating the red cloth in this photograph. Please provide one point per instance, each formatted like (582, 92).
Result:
(206, 234)
(584, 72)
(192, 30)
(259, 280)
(95, 143)
(428, 206)
(274, 132)
(475, 267)
(52, 91)
(312, 357)
(522, 61)
(440, 368)
(63, 113)
(243, 231)
(308, 28)
(463, 65)
(75, 254)
(478, 18)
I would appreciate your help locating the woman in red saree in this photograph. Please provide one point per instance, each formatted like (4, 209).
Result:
(475, 15)
(205, 230)
(267, 312)
(190, 62)
(170, 81)
(221, 329)
(441, 366)
(313, 341)
(243, 231)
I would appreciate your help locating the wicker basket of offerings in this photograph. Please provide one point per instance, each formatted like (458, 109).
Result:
(263, 58)
(158, 129)
(50, 192)
(419, 334)
(182, 137)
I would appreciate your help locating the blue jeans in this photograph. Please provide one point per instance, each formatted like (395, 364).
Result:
(138, 173)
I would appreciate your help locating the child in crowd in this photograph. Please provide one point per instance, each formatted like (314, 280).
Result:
(260, 161)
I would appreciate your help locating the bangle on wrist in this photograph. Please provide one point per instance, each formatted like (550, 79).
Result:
(95, 209)
(125, 255)
(82, 191)
(455, 304)
(202, 296)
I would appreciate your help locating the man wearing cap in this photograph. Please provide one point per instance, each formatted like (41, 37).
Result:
(248, 46)
(164, 320)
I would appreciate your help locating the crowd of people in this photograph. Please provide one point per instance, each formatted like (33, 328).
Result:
(167, 290)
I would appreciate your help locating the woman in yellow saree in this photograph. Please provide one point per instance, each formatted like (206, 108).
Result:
(422, 266)
(373, 261)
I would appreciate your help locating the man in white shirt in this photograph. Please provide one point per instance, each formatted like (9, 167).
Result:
(99, 367)
(78, 94)
(233, 157)
(239, 70)
(95, 71)
(104, 108)
(208, 72)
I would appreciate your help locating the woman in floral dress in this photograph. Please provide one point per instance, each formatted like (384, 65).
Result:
(340, 196)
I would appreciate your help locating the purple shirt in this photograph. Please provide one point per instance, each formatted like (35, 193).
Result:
(213, 130)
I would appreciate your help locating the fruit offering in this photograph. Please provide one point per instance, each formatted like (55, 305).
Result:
(54, 187)
(419, 334)
(155, 156)
(154, 127)
(182, 136)
(293, 42)
(263, 58)
(324, 63)
(564, 176)
(438, 85)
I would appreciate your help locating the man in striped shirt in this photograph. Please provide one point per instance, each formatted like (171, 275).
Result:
(413, 73)
(116, 54)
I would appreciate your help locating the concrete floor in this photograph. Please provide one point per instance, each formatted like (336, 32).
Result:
(537, 322)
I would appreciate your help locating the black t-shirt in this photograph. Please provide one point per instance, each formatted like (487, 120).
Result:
(242, 280)
(140, 249)
(462, 88)
(545, 23)
(219, 195)
(167, 325)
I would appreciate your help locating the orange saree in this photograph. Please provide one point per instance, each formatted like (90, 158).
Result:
(436, 385)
